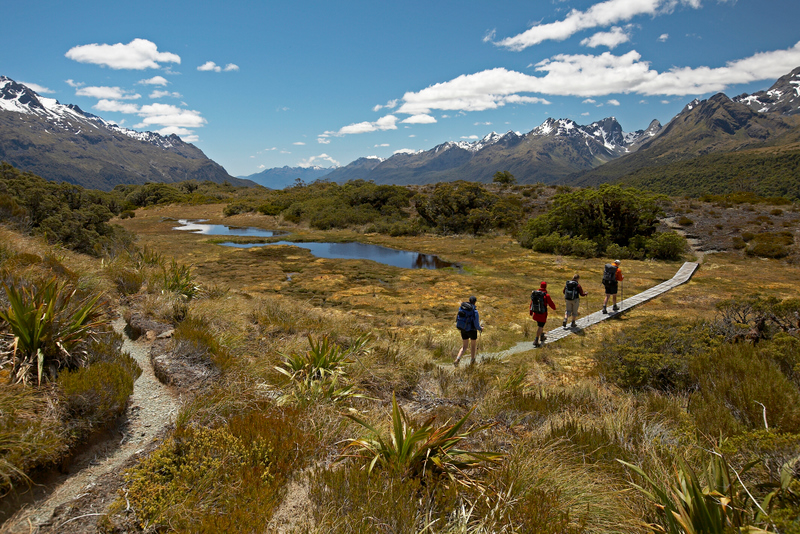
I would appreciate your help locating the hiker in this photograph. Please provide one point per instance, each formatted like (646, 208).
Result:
(572, 299)
(612, 276)
(540, 300)
(468, 323)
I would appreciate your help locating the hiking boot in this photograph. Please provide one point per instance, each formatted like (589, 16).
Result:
(605, 310)
(456, 362)
(615, 307)
(472, 361)
(573, 325)
(542, 338)
(564, 324)
(536, 343)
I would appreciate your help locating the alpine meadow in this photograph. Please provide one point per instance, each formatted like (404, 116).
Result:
(211, 322)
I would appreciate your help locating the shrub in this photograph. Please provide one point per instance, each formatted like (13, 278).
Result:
(683, 220)
(738, 388)
(666, 246)
(655, 354)
(179, 278)
(237, 207)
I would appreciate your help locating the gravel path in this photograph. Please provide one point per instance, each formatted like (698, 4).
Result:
(152, 408)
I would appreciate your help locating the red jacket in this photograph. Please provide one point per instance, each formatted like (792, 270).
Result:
(542, 317)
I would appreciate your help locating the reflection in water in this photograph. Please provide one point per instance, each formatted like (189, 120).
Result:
(361, 251)
(220, 229)
(334, 251)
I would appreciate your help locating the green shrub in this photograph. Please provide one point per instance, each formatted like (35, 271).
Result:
(683, 220)
(737, 388)
(666, 246)
(179, 278)
(567, 246)
(237, 207)
(655, 354)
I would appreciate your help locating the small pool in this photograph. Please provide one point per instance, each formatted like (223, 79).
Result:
(361, 251)
(197, 227)
(334, 251)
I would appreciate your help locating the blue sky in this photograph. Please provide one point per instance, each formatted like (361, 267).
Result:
(266, 84)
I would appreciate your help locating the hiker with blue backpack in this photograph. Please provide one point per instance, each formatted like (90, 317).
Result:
(540, 300)
(572, 299)
(468, 323)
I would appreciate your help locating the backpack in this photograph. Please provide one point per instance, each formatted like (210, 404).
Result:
(610, 273)
(571, 290)
(538, 304)
(465, 318)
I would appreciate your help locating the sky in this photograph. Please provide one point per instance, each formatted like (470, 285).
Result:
(257, 85)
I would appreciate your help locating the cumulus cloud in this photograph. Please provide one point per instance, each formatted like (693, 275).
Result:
(388, 122)
(109, 93)
(162, 94)
(323, 140)
(167, 115)
(610, 39)
(469, 137)
(139, 54)
(315, 160)
(391, 104)
(663, 37)
(299, 143)
(381, 145)
(41, 89)
(116, 106)
(592, 76)
(155, 80)
(419, 119)
(598, 16)
(73, 83)
(589, 101)
(210, 66)
(406, 151)
(613, 102)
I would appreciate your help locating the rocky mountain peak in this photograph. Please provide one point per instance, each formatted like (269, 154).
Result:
(782, 98)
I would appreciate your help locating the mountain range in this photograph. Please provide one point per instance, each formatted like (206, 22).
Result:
(64, 143)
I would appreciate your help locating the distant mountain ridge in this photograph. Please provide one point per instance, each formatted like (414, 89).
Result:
(555, 149)
(63, 143)
(280, 177)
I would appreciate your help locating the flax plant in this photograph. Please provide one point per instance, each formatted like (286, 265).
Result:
(48, 327)
(417, 449)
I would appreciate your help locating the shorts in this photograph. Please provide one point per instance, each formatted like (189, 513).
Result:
(469, 334)
(572, 306)
(611, 287)
(541, 323)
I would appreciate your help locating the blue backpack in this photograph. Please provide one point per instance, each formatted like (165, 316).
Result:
(465, 318)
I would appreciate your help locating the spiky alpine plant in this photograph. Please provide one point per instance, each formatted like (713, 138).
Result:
(48, 326)
(415, 450)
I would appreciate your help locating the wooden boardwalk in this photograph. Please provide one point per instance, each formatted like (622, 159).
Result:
(683, 275)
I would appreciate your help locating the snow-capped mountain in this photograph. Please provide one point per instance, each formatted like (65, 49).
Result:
(782, 98)
(552, 150)
(64, 143)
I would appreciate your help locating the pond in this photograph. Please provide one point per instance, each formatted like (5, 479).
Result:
(197, 227)
(361, 251)
(335, 251)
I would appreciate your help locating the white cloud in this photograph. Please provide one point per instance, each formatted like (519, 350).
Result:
(139, 54)
(262, 166)
(73, 83)
(41, 89)
(665, 101)
(116, 106)
(412, 135)
(610, 39)
(589, 101)
(419, 119)
(663, 37)
(482, 124)
(299, 143)
(592, 76)
(155, 80)
(469, 137)
(323, 140)
(314, 160)
(162, 94)
(613, 102)
(388, 122)
(599, 15)
(285, 152)
(187, 135)
(210, 66)
(405, 151)
(381, 145)
(391, 104)
(585, 114)
(167, 115)
(110, 93)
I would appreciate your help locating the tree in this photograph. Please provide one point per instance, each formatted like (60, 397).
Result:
(504, 178)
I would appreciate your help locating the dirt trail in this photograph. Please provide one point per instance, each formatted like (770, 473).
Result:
(152, 408)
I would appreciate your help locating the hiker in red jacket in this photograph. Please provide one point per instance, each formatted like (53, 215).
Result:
(540, 300)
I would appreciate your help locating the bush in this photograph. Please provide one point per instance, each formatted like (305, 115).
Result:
(738, 387)
(656, 354)
(666, 246)
(567, 246)
(683, 220)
